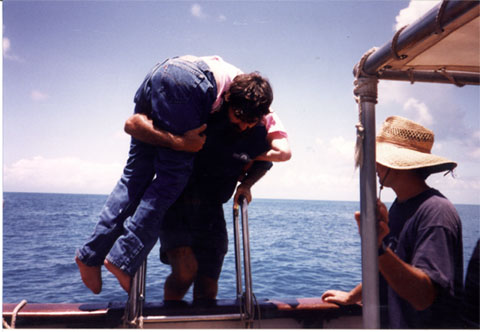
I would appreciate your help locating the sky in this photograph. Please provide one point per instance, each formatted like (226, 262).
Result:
(71, 68)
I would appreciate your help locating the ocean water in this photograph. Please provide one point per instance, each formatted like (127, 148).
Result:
(298, 248)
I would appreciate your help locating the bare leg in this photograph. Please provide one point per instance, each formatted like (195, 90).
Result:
(184, 270)
(205, 288)
(91, 276)
(123, 278)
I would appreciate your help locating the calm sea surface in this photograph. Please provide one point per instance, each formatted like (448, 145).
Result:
(298, 248)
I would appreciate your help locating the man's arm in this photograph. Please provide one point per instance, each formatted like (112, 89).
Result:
(280, 149)
(141, 127)
(409, 282)
(255, 173)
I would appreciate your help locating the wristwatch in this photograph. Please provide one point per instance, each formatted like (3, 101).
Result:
(383, 248)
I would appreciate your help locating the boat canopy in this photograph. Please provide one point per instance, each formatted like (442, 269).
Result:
(443, 46)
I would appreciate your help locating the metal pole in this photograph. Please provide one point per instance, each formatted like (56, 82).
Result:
(246, 260)
(367, 92)
(422, 29)
(136, 297)
(238, 266)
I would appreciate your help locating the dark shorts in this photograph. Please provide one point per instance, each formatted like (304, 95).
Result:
(197, 222)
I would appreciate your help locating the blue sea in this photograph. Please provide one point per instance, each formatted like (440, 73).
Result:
(298, 248)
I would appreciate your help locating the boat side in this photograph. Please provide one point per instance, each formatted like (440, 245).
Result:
(281, 313)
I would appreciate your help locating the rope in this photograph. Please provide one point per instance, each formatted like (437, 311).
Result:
(410, 75)
(14, 315)
(360, 87)
(393, 47)
(360, 71)
(258, 310)
(449, 77)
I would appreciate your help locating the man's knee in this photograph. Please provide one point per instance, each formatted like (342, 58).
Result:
(184, 264)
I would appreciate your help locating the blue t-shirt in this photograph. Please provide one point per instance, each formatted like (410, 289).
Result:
(426, 232)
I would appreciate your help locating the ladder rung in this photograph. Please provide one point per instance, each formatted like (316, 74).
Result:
(166, 319)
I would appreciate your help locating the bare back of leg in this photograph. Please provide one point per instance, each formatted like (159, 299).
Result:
(184, 270)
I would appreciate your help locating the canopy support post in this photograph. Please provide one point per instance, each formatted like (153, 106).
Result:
(366, 92)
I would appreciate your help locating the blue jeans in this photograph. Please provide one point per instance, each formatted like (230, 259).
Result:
(178, 96)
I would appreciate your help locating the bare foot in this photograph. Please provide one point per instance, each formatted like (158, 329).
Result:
(123, 278)
(91, 276)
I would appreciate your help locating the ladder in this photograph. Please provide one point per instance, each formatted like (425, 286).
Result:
(133, 315)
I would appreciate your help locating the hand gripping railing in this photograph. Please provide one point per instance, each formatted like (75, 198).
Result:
(246, 297)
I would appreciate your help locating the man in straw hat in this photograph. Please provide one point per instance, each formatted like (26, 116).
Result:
(419, 239)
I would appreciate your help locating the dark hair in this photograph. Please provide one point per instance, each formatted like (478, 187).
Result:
(250, 93)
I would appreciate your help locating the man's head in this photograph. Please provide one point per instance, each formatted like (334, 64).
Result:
(403, 144)
(248, 99)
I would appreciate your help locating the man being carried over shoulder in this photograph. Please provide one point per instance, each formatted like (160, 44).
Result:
(419, 239)
(177, 95)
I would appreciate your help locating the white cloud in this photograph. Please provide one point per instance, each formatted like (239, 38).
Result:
(392, 91)
(221, 18)
(6, 45)
(475, 153)
(324, 171)
(419, 112)
(7, 50)
(61, 175)
(342, 147)
(414, 11)
(37, 95)
(197, 11)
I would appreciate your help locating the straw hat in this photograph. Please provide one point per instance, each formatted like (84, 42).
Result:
(403, 144)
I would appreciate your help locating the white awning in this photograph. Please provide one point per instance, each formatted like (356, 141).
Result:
(443, 46)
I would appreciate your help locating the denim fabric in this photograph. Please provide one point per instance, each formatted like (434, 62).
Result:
(122, 202)
(173, 86)
(178, 96)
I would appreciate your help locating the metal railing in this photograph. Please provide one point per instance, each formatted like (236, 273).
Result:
(245, 297)
(133, 315)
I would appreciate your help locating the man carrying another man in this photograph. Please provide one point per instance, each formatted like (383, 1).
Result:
(178, 95)
(193, 235)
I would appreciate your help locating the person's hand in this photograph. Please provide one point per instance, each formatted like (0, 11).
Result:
(357, 219)
(242, 190)
(382, 221)
(192, 140)
(382, 218)
(338, 297)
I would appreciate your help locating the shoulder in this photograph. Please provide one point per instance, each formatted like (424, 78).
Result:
(272, 122)
(438, 211)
